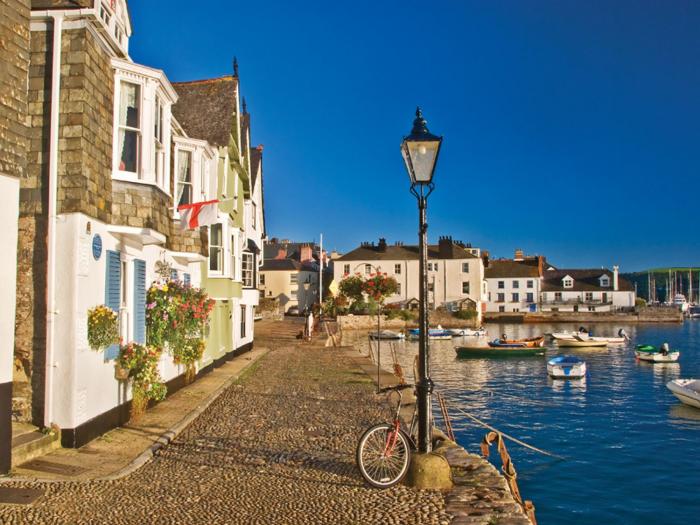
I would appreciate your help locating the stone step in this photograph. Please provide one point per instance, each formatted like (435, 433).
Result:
(28, 442)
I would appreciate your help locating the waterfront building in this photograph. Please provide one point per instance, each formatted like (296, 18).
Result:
(585, 291)
(14, 146)
(455, 272)
(213, 110)
(107, 164)
(513, 285)
(290, 274)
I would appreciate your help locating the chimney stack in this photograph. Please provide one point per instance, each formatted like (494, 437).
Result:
(616, 279)
(382, 244)
(305, 253)
(445, 247)
(519, 255)
(281, 253)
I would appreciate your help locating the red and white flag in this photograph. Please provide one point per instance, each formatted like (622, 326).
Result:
(198, 214)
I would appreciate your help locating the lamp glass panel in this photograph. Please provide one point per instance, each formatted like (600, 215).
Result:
(407, 161)
(423, 156)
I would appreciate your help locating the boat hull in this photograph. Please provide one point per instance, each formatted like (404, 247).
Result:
(485, 351)
(566, 367)
(657, 357)
(386, 335)
(575, 343)
(466, 332)
(686, 390)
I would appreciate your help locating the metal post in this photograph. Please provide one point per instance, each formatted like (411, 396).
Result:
(424, 387)
(379, 354)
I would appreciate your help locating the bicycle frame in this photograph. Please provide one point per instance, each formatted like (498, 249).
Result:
(392, 436)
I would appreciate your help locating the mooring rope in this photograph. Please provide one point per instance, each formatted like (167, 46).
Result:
(515, 440)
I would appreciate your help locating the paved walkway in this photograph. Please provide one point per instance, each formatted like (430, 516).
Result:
(275, 447)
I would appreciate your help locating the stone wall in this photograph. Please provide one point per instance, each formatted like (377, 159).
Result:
(643, 315)
(369, 322)
(14, 57)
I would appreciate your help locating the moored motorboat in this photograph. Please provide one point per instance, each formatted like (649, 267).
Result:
(488, 351)
(467, 332)
(386, 335)
(686, 390)
(579, 342)
(656, 355)
(503, 342)
(433, 333)
(566, 367)
(621, 338)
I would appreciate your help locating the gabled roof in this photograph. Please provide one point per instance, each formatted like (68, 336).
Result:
(206, 108)
(508, 268)
(255, 162)
(584, 281)
(280, 265)
(401, 253)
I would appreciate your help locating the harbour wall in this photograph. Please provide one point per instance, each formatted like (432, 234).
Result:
(643, 315)
(369, 322)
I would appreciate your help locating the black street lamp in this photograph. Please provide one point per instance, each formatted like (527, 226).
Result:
(420, 151)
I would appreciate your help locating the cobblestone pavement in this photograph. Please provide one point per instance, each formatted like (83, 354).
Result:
(277, 447)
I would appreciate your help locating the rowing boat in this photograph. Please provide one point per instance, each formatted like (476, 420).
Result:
(532, 342)
(487, 351)
(386, 335)
(566, 367)
(655, 355)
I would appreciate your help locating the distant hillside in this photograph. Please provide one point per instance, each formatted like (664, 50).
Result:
(641, 279)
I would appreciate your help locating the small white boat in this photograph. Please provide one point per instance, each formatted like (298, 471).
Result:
(566, 367)
(433, 333)
(387, 334)
(657, 357)
(579, 342)
(467, 332)
(686, 390)
(621, 338)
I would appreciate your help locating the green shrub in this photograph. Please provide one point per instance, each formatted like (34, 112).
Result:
(465, 314)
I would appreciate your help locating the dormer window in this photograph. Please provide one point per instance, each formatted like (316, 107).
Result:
(604, 281)
(568, 282)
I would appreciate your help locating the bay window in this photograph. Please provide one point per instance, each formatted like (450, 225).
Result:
(183, 185)
(216, 248)
(160, 144)
(129, 127)
(247, 265)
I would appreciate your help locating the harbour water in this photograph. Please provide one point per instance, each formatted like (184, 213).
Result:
(631, 449)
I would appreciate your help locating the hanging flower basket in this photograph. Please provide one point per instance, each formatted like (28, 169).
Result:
(120, 373)
(141, 361)
(103, 327)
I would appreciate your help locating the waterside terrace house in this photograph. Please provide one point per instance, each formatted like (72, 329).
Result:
(214, 111)
(585, 291)
(455, 272)
(513, 285)
(290, 274)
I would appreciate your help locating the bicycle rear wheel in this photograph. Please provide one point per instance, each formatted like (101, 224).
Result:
(381, 464)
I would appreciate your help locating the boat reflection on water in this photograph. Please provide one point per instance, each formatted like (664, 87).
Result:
(684, 414)
(666, 371)
(561, 385)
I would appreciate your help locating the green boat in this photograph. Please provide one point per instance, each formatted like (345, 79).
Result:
(485, 351)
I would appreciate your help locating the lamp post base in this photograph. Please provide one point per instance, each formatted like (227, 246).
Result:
(429, 471)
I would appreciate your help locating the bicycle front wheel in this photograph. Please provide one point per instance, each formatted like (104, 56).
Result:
(383, 455)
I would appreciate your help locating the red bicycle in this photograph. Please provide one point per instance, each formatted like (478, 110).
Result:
(384, 450)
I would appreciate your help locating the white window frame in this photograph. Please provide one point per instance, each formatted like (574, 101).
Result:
(465, 267)
(568, 282)
(176, 167)
(220, 271)
(247, 266)
(154, 91)
(346, 269)
(293, 278)
(468, 286)
(397, 269)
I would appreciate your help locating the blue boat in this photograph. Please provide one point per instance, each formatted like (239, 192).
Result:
(566, 367)
(433, 333)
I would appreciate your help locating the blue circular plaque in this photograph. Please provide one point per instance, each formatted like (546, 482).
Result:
(97, 246)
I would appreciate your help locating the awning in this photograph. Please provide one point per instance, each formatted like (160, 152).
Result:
(135, 234)
(252, 247)
(187, 257)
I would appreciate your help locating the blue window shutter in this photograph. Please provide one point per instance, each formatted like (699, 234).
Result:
(173, 275)
(139, 301)
(113, 293)
(186, 278)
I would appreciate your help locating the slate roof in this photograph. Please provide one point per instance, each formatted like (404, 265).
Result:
(271, 249)
(206, 108)
(509, 268)
(584, 281)
(255, 160)
(280, 265)
(401, 253)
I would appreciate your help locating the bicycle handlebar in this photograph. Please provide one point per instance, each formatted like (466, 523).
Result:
(396, 388)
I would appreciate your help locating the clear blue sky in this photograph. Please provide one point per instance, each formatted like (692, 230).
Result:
(571, 129)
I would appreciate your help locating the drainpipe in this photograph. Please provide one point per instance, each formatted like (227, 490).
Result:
(51, 312)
